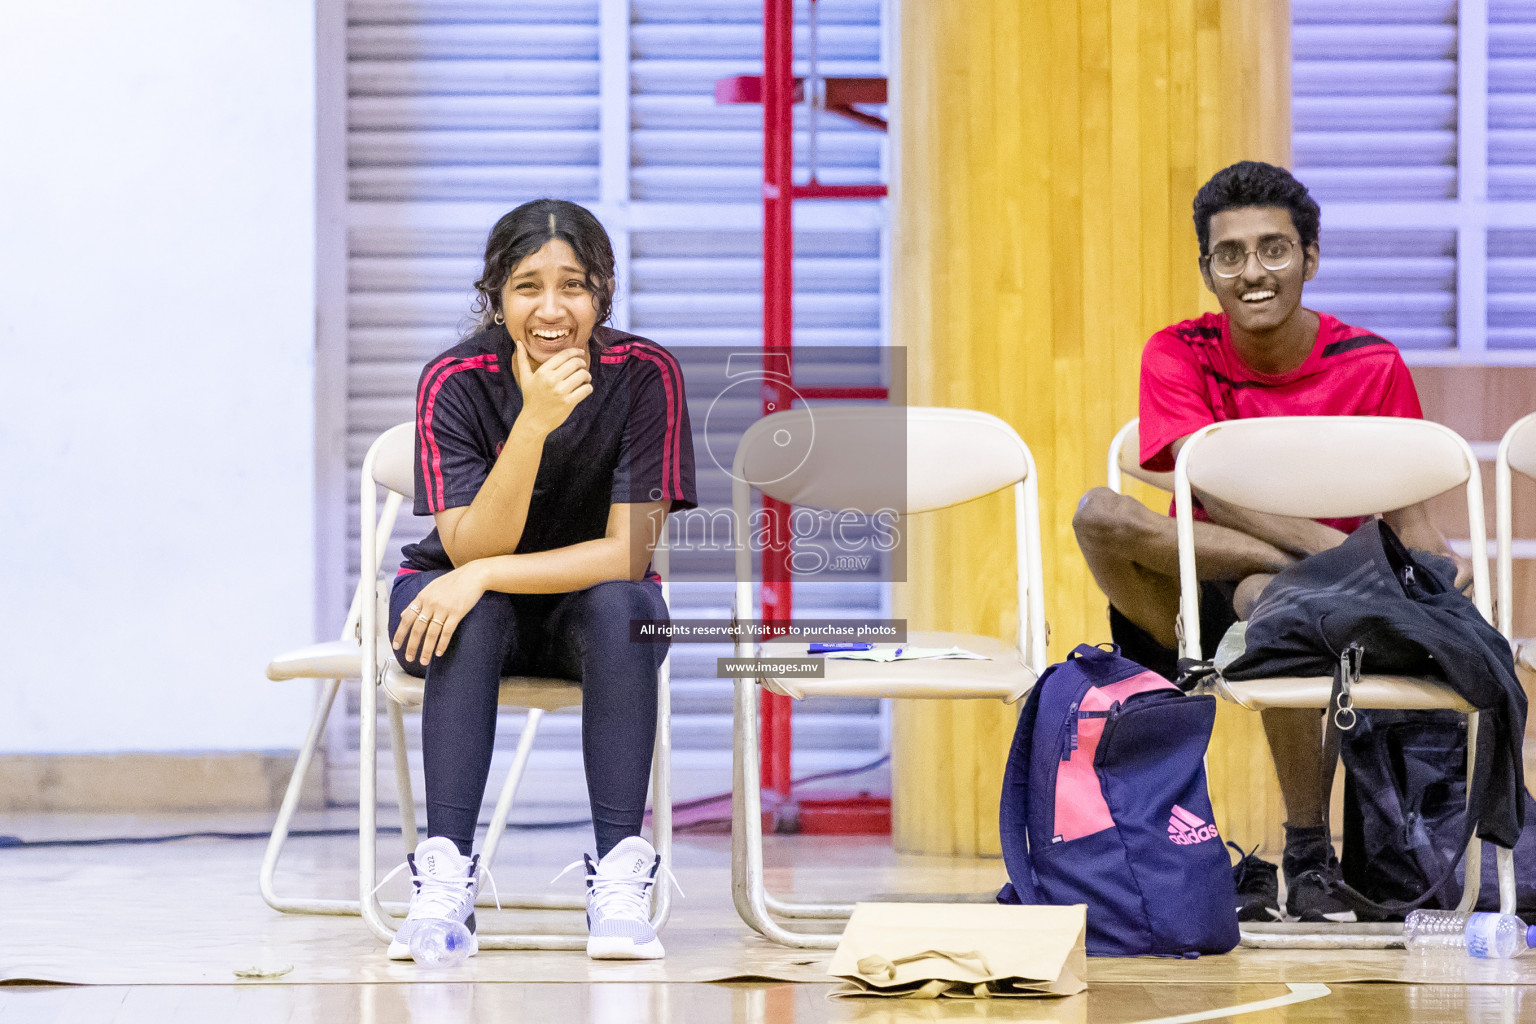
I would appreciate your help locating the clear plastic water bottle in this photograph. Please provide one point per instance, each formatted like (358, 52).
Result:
(1482, 936)
(1498, 936)
(1430, 930)
(440, 943)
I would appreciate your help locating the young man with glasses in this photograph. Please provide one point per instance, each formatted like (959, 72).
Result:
(1264, 354)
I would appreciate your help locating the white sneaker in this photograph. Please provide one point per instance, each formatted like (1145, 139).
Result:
(445, 885)
(619, 905)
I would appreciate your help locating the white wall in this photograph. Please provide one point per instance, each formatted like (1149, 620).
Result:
(156, 352)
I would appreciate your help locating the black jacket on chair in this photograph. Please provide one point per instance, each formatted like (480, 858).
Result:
(1404, 610)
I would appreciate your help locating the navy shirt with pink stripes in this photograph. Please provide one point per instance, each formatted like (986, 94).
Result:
(627, 442)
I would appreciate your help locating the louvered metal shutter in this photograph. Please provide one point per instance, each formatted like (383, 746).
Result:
(458, 111)
(696, 279)
(1374, 115)
(1512, 172)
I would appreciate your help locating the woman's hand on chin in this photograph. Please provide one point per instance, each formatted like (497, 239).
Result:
(438, 610)
(554, 389)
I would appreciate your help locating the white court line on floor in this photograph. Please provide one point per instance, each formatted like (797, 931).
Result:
(1298, 994)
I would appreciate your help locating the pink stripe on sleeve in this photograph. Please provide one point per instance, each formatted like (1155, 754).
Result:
(421, 394)
(671, 460)
(433, 468)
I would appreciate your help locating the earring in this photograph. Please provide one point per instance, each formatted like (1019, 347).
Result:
(499, 318)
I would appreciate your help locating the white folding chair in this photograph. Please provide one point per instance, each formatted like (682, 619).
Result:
(1517, 453)
(821, 458)
(388, 465)
(1334, 467)
(332, 662)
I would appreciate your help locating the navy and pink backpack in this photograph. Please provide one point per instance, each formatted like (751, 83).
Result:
(1104, 803)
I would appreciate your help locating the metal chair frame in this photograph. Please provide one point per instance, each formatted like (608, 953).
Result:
(1008, 464)
(1346, 451)
(331, 664)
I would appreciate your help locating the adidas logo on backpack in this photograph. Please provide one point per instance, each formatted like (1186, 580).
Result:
(1187, 829)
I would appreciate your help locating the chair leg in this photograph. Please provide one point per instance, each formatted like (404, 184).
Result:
(1295, 935)
(1505, 859)
(408, 832)
(807, 911)
(524, 750)
(745, 801)
(1506, 862)
(285, 812)
(498, 827)
(661, 795)
(748, 889)
(1472, 887)
(373, 912)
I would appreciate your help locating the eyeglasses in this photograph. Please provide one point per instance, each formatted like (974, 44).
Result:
(1229, 258)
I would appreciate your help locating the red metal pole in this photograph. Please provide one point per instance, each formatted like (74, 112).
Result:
(778, 326)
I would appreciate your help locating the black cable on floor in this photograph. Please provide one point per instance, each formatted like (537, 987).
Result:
(16, 842)
(835, 773)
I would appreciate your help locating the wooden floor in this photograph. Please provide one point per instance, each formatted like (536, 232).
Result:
(132, 933)
(778, 1003)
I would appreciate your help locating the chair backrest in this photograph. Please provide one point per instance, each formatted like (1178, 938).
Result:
(907, 460)
(1125, 460)
(1328, 466)
(869, 458)
(1519, 446)
(1517, 452)
(388, 461)
(1322, 467)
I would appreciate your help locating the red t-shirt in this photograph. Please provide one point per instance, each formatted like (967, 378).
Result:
(1191, 376)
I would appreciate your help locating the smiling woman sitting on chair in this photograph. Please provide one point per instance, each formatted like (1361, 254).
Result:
(549, 450)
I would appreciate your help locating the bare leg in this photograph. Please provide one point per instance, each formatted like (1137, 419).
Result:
(1248, 591)
(1133, 553)
(1296, 741)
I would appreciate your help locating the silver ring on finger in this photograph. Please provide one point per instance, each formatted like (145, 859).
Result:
(414, 610)
(438, 622)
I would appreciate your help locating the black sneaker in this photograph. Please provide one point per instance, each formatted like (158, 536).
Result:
(1314, 896)
(1258, 887)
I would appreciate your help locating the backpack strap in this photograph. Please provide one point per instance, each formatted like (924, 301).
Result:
(1340, 715)
(1341, 718)
(1194, 676)
(1013, 810)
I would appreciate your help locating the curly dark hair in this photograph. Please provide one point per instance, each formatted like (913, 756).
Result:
(1252, 183)
(524, 232)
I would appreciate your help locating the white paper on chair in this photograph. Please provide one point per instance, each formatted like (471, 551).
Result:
(910, 654)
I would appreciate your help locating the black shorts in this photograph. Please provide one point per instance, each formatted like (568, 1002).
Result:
(1216, 617)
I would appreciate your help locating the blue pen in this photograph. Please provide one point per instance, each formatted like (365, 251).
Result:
(834, 648)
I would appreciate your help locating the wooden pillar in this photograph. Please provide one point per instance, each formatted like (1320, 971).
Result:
(1048, 154)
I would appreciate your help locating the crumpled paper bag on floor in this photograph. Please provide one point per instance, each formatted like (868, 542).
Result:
(970, 951)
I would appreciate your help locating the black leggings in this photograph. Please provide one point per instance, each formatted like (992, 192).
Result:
(581, 636)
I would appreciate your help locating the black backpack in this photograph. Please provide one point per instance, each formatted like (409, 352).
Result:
(1405, 800)
(1372, 606)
